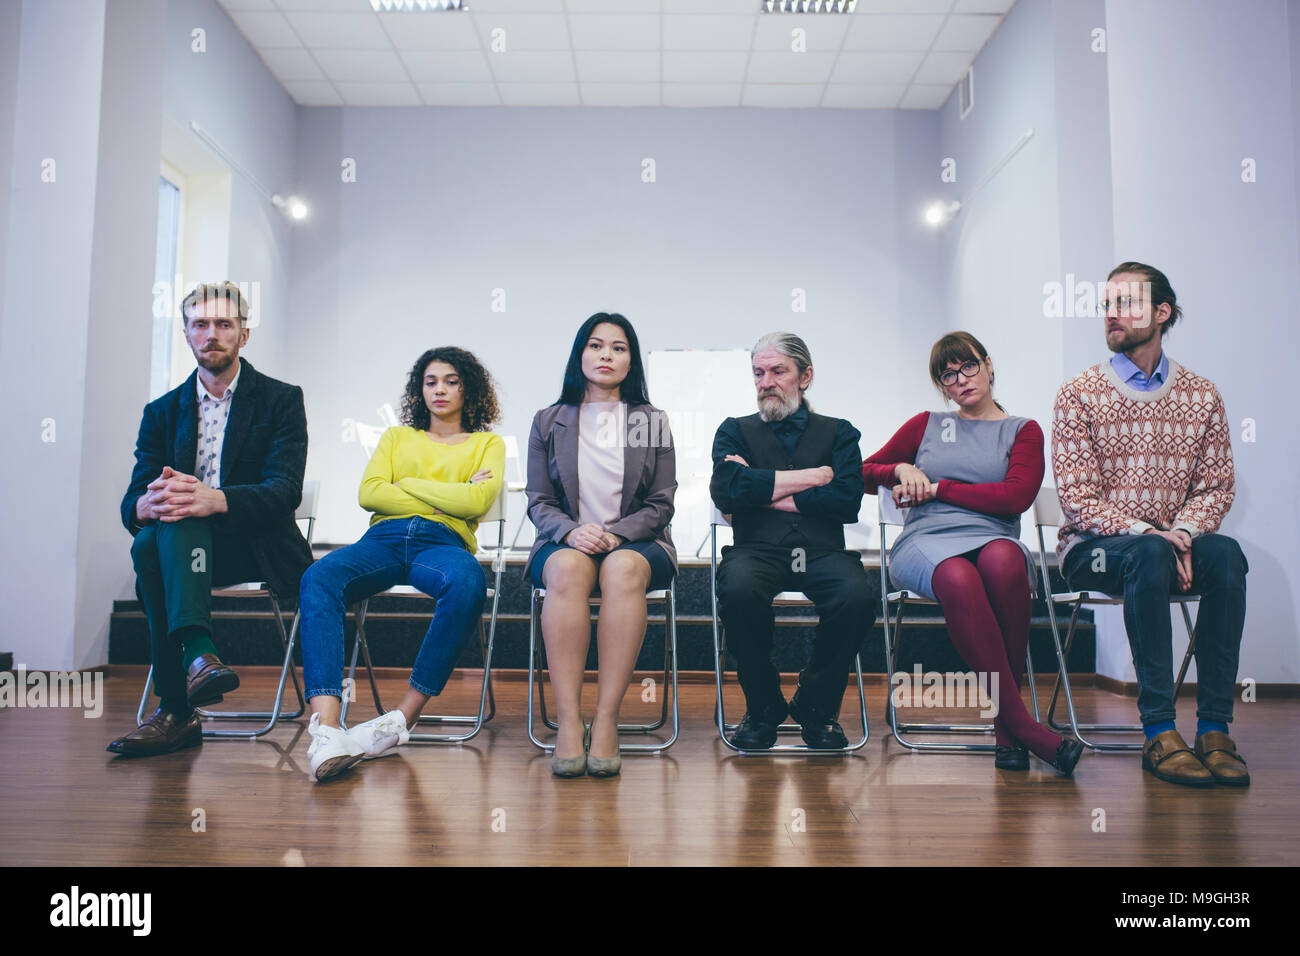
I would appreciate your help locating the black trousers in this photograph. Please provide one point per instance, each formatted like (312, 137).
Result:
(749, 577)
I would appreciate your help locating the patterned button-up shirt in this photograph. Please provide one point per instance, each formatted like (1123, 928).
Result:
(213, 415)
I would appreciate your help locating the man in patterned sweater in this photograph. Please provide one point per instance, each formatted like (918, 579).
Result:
(1143, 462)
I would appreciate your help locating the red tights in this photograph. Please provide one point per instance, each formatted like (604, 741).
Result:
(986, 605)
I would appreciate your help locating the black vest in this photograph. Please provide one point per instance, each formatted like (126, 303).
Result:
(784, 529)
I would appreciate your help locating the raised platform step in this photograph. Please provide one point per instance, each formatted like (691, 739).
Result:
(244, 631)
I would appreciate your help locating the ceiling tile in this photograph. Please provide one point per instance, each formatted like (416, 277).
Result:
(702, 94)
(902, 6)
(853, 67)
(524, 31)
(893, 32)
(292, 64)
(967, 32)
(620, 94)
(379, 94)
(708, 32)
(862, 96)
(534, 67)
(362, 66)
(983, 6)
(591, 31)
(739, 7)
(620, 67)
(324, 6)
(921, 96)
(822, 32)
(539, 94)
(450, 31)
(781, 95)
(515, 6)
(264, 29)
(610, 6)
(790, 67)
(340, 31)
(447, 66)
(306, 93)
(265, 5)
(459, 94)
(943, 68)
(719, 67)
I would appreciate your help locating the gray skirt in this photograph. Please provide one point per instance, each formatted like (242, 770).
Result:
(912, 560)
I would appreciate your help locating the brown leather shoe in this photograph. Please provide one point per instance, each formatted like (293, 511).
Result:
(208, 680)
(160, 734)
(1168, 757)
(1219, 754)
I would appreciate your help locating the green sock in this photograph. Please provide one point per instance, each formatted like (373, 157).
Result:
(195, 641)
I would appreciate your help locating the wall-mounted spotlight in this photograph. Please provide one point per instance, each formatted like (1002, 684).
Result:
(293, 206)
(938, 213)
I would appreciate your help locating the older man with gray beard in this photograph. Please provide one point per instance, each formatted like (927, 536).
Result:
(790, 479)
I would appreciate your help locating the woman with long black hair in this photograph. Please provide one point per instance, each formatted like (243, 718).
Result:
(601, 480)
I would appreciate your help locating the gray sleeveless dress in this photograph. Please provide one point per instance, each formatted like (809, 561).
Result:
(976, 452)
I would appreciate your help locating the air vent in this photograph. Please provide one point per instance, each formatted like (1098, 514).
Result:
(966, 90)
(809, 6)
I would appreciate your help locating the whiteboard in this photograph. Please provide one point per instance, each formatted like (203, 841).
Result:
(698, 388)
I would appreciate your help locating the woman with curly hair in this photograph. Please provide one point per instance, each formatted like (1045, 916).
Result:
(426, 486)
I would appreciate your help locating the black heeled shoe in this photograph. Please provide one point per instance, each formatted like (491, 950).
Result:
(1067, 755)
(1011, 758)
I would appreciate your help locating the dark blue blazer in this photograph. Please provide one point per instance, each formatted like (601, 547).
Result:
(263, 457)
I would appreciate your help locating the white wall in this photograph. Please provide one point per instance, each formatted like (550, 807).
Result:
(1196, 87)
(43, 338)
(549, 205)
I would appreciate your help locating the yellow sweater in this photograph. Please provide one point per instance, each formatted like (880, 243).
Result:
(410, 474)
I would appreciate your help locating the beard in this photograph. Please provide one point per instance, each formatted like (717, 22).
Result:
(778, 407)
(215, 362)
(1132, 338)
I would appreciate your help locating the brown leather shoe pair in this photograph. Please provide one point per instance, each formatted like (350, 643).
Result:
(1168, 757)
(160, 734)
(1219, 754)
(208, 680)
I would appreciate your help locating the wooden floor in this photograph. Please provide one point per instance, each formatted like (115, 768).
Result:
(64, 800)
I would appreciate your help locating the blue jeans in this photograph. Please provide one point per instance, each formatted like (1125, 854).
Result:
(1142, 568)
(415, 551)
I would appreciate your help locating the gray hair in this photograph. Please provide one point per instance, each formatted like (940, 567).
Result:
(787, 344)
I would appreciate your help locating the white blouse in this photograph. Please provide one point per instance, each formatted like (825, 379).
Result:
(601, 436)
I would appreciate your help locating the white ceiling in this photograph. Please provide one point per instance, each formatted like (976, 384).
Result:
(888, 54)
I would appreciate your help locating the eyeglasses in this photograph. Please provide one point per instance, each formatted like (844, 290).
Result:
(1124, 303)
(968, 369)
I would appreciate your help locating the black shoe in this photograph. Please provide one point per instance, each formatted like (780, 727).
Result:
(757, 732)
(1011, 758)
(1067, 755)
(819, 730)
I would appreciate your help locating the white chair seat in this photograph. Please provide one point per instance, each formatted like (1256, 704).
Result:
(1095, 597)
(911, 596)
(242, 588)
(654, 597)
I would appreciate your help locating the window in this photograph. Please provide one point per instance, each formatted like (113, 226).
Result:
(164, 275)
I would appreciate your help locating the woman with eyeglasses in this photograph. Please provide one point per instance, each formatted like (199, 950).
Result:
(602, 474)
(966, 477)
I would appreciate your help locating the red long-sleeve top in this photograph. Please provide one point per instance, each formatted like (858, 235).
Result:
(1012, 496)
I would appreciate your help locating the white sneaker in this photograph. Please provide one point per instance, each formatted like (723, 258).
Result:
(380, 737)
(332, 750)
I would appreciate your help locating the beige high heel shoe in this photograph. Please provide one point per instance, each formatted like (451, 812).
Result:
(573, 766)
(602, 766)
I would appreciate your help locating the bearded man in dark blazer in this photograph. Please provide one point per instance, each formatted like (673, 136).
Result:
(218, 476)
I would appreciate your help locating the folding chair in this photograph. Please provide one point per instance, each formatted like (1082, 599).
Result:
(891, 515)
(487, 706)
(1047, 513)
(306, 511)
(665, 596)
(784, 599)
